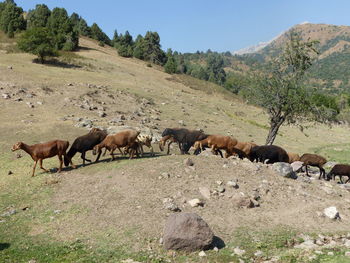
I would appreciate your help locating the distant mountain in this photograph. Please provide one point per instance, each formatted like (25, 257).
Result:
(251, 49)
(331, 70)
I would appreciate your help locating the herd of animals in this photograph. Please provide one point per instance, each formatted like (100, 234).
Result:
(130, 142)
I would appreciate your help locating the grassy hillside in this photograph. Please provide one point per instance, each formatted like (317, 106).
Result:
(111, 211)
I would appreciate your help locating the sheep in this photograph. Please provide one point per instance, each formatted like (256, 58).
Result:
(42, 151)
(219, 142)
(146, 140)
(163, 141)
(314, 160)
(202, 145)
(85, 143)
(111, 142)
(245, 147)
(268, 154)
(186, 138)
(293, 157)
(340, 170)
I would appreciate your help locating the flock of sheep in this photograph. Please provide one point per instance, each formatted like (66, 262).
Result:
(131, 142)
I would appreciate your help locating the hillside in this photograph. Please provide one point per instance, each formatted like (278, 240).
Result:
(114, 211)
(330, 71)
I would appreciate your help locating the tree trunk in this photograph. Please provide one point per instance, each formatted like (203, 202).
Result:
(275, 124)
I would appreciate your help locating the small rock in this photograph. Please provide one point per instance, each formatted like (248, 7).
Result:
(216, 249)
(232, 184)
(347, 253)
(30, 105)
(331, 212)
(6, 96)
(308, 244)
(318, 252)
(188, 162)
(170, 205)
(70, 84)
(284, 169)
(221, 189)
(181, 123)
(195, 202)
(161, 241)
(10, 212)
(165, 175)
(9, 67)
(238, 251)
(57, 211)
(102, 114)
(219, 182)
(330, 253)
(32, 261)
(205, 192)
(9, 173)
(347, 243)
(245, 202)
(296, 166)
(202, 254)
(258, 253)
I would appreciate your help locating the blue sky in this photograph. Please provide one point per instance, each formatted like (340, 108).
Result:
(191, 25)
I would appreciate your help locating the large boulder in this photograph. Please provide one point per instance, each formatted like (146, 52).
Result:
(284, 169)
(187, 232)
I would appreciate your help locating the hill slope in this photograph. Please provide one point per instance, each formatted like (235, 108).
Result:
(110, 211)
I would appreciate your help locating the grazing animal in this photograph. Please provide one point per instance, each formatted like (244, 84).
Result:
(293, 157)
(121, 139)
(219, 142)
(186, 138)
(314, 160)
(268, 154)
(85, 143)
(146, 140)
(340, 170)
(133, 149)
(42, 151)
(245, 147)
(163, 141)
(202, 145)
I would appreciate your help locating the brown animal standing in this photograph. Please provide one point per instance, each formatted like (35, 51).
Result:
(314, 160)
(220, 142)
(121, 139)
(42, 151)
(245, 147)
(163, 141)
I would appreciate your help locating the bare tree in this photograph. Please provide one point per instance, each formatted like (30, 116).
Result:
(281, 92)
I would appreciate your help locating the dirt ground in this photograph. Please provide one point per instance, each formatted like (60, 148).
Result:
(129, 199)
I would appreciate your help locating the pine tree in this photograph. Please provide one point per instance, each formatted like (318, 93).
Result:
(38, 17)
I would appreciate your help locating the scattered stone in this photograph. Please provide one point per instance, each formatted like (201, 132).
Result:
(6, 96)
(129, 260)
(284, 169)
(330, 253)
(232, 184)
(258, 253)
(221, 189)
(307, 244)
(32, 261)
(170, 205)
(244, 202)
(331, 212)
(202, 254)
(9, 67)
(188, 162)
(181, 123)
(57, 211)
(70, 84)
(161, 241)
(216, 249)
(205, 192)
(318, 252)
(238, 251)
(10, 212)
(30, 105)
(165, 175)
(188, 232)
(347, 253)
(9, 173)
(219, 182)
(347, 243)
(102, 114)
(195, 202)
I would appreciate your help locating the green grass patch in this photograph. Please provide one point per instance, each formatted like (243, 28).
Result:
(335, 152)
